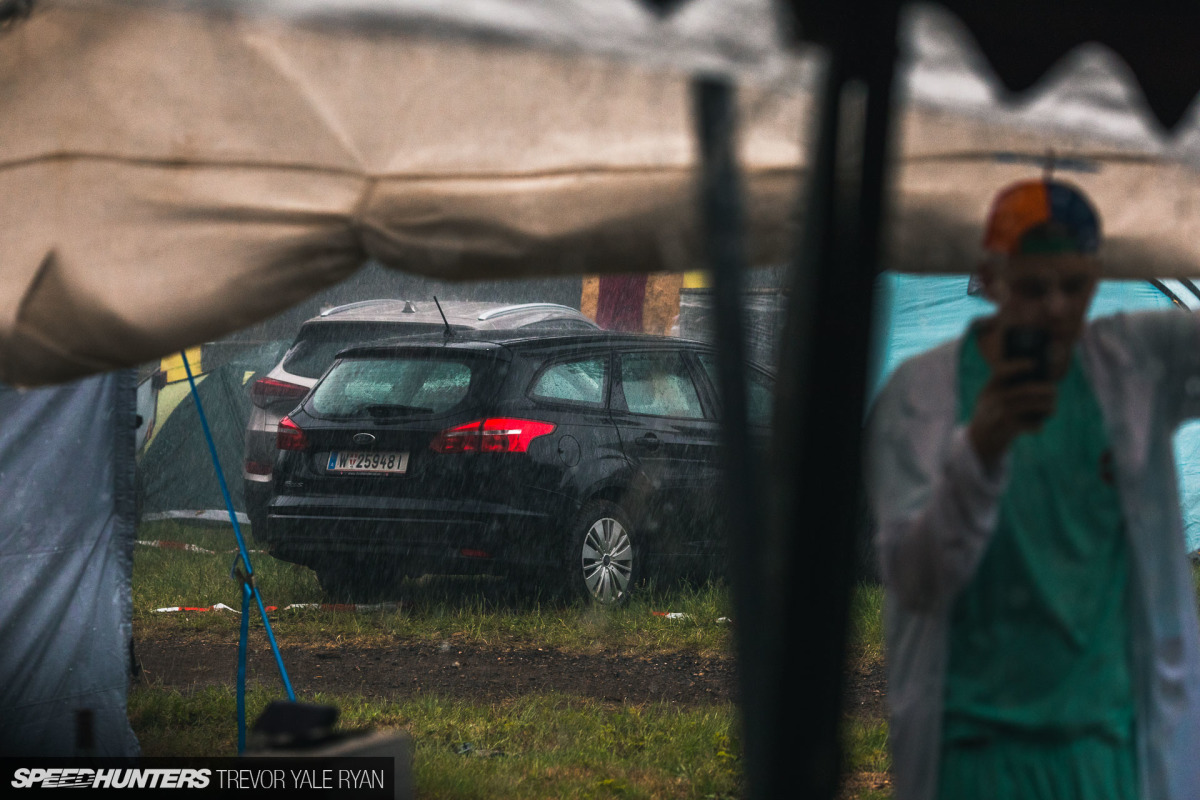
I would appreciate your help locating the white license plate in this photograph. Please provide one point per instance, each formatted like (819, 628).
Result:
(350, 461)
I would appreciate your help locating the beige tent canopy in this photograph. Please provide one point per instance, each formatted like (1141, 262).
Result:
(170, 172)
(167, 176)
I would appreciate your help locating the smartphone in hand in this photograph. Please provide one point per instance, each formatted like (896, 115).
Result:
(1028, 344)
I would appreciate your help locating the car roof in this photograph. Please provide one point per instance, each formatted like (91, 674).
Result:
(467, 313)
(515, 340)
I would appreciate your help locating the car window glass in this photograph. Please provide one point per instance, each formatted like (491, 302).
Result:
(573, 381)
(658, 384)
(760, 391)
(560, 325)
(391, 387)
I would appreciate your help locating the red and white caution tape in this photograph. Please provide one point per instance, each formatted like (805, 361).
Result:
(217, 607)
(165, 545)
(193, 548)
(681, 615)
(320, 606)
(346, 606)
(359, 607)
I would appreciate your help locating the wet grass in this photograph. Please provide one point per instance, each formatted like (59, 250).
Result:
(171, 577)
(866, 619)
(866, 757)
(868, 760)
(536, 746)
(484, 610)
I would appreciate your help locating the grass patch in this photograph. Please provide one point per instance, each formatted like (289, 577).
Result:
(866, 625)
(865, 746)
(549, 745)
(868, 761)
(536, 746)
(480, 610)
(167, 577)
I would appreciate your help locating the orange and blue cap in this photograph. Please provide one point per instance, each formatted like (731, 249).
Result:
(1042, 216)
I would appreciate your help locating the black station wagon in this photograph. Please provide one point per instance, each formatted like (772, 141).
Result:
(583, 461)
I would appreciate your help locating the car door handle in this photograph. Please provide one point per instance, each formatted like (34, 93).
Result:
(648, 440)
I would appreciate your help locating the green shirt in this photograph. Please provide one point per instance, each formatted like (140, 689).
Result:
(1039, 638)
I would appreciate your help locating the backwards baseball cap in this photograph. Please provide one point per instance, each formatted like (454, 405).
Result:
(1042, 216)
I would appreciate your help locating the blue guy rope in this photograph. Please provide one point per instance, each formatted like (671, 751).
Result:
(248, 585)
(241, 680)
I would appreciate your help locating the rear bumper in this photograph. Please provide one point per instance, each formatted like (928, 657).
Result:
(257, 495)
(471, 536)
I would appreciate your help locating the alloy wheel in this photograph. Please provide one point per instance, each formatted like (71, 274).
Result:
(607, 561)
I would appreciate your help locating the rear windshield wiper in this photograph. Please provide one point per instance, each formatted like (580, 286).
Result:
(392, 410)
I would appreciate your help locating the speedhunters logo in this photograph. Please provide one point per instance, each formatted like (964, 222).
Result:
(288, 778)
(84, 778)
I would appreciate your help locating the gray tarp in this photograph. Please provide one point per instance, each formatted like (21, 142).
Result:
(66, 538)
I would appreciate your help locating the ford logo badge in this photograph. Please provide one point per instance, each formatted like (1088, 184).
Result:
(364, 438)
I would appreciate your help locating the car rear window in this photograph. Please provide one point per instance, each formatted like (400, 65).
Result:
(581, 381)
(318, 344)
(392, 387)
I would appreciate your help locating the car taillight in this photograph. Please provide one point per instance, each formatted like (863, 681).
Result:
(290, 436)
(266, 391)
(468, 552)
(492, 435)
(258, 467)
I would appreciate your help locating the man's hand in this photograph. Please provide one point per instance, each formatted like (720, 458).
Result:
(1008, 407)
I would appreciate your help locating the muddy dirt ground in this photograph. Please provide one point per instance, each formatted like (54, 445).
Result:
(485, 674)
(478, 673)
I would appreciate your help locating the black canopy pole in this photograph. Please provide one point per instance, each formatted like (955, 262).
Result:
(816, 465)
(723, 218)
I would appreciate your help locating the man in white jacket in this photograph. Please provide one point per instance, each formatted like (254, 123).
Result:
(1041, 619)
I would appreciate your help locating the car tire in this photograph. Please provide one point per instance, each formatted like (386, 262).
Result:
(604, 559)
